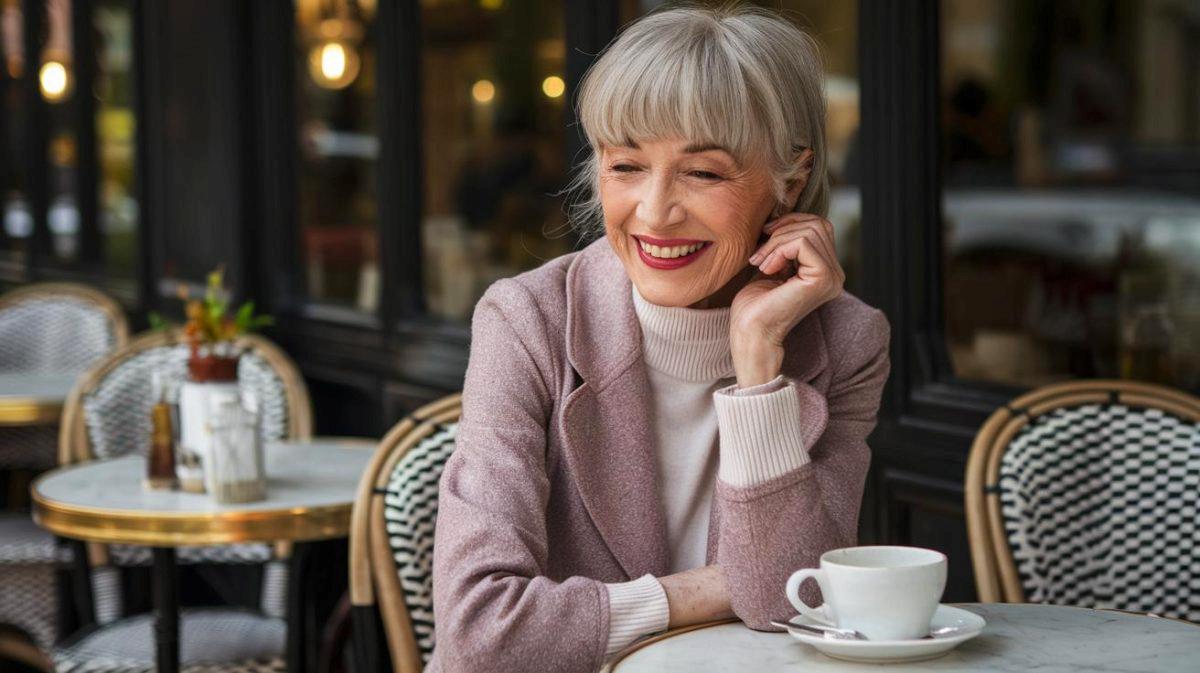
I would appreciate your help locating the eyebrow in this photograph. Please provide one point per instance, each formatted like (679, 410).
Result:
(694, 148)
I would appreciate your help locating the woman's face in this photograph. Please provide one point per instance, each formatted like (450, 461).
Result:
(683, 218)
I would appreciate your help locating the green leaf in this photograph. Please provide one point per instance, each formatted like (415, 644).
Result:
(245, 317)
(157, 323)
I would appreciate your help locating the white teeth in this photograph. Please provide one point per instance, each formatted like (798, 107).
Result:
(671, 252)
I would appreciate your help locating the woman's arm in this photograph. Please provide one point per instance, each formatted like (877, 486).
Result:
(495, 608)
(697, 595)
(793, 467)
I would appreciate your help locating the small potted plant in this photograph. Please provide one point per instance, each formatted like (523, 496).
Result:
(211, 334)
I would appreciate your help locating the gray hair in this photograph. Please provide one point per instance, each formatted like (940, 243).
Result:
(741, 77)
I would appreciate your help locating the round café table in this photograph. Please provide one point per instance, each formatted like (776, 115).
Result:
(310, 491)
(1018, 638)
(33, 399)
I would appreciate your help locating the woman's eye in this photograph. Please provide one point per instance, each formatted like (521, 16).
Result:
(624, 168)
(706, 175)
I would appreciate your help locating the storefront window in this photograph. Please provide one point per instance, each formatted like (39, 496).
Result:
(494, 115)
(335, 61)
(116, 137)
(1071, 141)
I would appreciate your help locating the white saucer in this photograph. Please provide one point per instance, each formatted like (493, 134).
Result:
(896, 651)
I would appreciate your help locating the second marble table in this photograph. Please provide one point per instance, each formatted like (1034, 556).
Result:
(310, 492)
(1017, 639)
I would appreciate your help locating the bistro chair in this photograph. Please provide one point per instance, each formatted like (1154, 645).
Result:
(1087, 493)
(52, 328)
(45, 328)
(391, 540)
(108, 415)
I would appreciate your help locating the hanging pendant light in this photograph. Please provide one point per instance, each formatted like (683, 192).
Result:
(334, 61)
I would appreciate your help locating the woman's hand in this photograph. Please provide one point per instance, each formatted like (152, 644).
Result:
(798, 270)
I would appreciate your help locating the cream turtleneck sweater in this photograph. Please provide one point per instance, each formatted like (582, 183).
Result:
(707, 428)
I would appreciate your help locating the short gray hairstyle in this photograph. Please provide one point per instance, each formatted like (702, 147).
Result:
(737, 76)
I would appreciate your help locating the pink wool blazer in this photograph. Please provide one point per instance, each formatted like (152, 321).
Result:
(552, 489)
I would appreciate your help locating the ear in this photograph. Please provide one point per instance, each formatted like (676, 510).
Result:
(804, 165)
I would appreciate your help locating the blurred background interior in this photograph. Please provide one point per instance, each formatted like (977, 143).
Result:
(1016, 182)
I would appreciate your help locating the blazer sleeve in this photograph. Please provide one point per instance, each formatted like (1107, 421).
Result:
(809, 502)
(495, 608)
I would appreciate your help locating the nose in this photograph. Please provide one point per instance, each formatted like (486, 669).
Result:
(659, 207)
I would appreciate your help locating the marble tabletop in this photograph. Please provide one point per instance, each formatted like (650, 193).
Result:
(44, 388)
(310, 489)
(1018, 639)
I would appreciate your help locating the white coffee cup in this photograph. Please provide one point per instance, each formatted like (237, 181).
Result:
(887, 593)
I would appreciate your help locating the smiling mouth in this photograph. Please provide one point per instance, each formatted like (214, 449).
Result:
(669, 254)
(669, 249)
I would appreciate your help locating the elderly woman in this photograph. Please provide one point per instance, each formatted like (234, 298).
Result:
(658, 429)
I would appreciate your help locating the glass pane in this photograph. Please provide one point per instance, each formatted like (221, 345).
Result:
(56, 82)
(335, 86)
(17, 225)
(1071, 139)
(494, 134)
(116, 136)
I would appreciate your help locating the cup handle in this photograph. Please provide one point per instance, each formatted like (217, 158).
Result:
(821, 613)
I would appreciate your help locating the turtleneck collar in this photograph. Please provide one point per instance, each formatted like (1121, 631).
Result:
(688, 343)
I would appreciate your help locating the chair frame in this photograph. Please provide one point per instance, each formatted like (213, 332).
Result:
(996, 578)
(110, 306)
(372, 568)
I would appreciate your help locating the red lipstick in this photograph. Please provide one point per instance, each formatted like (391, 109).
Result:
(668, 264)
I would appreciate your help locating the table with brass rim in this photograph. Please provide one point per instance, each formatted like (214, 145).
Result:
(310, 492)
(1018, 638)
(33, 399)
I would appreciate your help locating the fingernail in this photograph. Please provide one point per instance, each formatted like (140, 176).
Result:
(754, 259)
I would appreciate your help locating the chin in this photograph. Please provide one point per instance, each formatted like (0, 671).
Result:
(666, 296)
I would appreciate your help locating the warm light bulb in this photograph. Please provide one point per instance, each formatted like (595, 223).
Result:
(553, 86)
(54, 80)
(333, 64)
(483, 91)
(491, 4)
(333, 61)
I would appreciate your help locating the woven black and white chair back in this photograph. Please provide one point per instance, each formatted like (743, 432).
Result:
(1098, 504)
(57, 328)
(410, 511)
(117, 409)
(52, 328)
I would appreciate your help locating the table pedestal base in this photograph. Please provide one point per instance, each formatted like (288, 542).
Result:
(166, 610)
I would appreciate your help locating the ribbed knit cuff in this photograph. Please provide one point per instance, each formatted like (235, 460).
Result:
(761, 431)
(635, 609)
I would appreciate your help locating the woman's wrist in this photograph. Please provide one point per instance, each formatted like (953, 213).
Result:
(697, 595)
(756, 360)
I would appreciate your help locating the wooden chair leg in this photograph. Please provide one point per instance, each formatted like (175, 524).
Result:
(335, 638)
(370, 647)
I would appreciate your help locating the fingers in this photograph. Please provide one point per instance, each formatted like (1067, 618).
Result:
(809, 241)
(782, 245)
(780, 230)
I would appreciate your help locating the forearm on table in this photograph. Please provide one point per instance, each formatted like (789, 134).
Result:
(696, 595)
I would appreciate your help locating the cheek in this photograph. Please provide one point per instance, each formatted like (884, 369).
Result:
(617, 201)
(734, 225)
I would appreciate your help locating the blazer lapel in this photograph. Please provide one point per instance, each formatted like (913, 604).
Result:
(607, 421)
